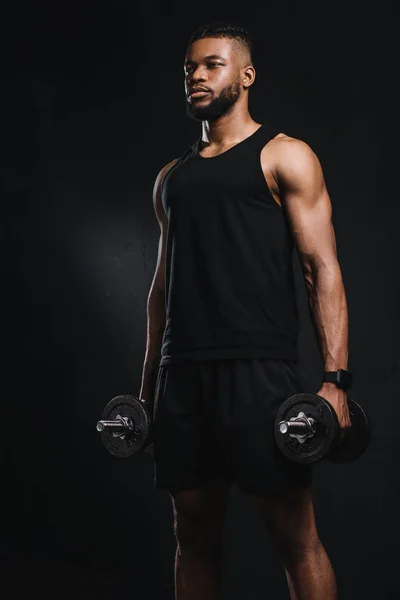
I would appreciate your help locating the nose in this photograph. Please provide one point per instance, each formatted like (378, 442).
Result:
(197, 75)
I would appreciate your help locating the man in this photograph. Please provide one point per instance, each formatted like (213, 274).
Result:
(222, 318)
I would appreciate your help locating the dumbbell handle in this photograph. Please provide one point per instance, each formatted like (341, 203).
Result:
(119, 424)
(302, 425)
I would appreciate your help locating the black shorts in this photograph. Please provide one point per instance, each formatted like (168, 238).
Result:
(214, 419)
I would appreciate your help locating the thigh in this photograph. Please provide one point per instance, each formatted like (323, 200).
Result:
(248, 396)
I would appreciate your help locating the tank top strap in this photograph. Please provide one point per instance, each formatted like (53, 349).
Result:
(188, 152)
(263, 135)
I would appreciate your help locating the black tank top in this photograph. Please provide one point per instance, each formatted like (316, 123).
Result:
(230, 289)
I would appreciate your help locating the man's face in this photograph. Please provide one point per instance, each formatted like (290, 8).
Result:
(212, 78)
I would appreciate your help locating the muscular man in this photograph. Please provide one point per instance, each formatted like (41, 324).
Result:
(223, 325)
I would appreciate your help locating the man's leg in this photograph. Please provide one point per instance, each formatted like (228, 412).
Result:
(198, 526)
(290, 520)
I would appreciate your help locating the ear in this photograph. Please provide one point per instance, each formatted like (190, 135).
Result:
(248, 76)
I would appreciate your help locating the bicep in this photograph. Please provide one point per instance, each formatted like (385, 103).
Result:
(308, 207)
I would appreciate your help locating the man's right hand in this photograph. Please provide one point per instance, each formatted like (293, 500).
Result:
(148, 400)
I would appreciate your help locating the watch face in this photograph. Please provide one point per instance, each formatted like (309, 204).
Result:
(344, 377)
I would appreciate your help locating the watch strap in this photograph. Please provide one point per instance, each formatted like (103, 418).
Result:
(341, 378)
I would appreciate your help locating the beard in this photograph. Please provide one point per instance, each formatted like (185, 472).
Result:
(217, 106)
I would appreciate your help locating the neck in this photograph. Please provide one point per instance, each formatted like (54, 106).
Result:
(228, 129)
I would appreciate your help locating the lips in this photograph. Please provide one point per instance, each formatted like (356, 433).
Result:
(198, 93)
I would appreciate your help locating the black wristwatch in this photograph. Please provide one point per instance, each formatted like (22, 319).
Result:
(341, 377)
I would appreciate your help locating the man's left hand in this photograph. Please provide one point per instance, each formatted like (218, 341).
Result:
(338, 399)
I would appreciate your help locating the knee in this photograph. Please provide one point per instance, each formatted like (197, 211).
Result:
(199, 516)
(197, 531)
(294, 550)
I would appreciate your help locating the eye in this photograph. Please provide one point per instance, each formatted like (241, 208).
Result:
(213, 64)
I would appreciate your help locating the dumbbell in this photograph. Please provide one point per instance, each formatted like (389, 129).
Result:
(306, 429)
(125, 427)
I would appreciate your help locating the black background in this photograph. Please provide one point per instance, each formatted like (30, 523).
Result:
(92, 108)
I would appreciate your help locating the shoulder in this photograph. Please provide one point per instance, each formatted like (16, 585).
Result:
(162, 175)
(291, 156)
(164, 171)
(157, 201)
(291, 149)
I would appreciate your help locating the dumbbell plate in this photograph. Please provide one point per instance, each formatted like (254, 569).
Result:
(356, 438)
(130, 442)
(326, 425)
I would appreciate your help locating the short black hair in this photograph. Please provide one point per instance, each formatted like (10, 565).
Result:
(224, 30)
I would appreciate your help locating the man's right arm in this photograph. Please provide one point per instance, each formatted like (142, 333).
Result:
(156, 298)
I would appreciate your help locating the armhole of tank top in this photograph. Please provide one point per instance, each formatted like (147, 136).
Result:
(260, 173)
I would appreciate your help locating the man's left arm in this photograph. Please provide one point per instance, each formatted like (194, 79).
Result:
(306, 201)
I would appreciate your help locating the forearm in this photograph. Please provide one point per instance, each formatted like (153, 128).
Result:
(328, 310)
(155, 332)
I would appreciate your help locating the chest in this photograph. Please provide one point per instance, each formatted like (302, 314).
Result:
(211, 183)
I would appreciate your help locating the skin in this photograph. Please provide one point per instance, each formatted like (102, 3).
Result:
(295, 178)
